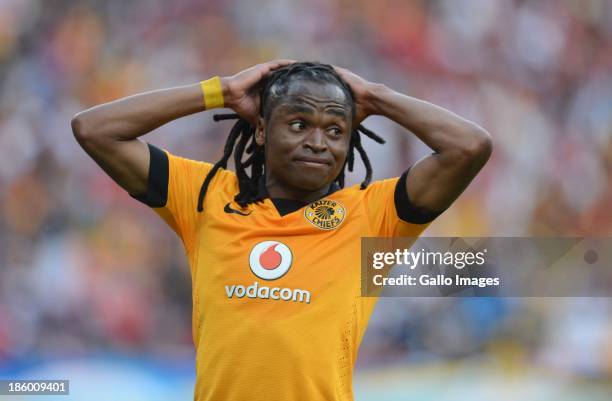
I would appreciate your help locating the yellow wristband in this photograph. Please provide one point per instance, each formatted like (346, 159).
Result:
(213, 93)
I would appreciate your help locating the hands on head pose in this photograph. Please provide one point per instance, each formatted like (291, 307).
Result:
(303, 134)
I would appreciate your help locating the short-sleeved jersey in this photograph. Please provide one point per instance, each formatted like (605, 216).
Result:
(277, 311)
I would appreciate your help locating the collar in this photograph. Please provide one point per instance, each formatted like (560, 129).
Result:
(262, 191)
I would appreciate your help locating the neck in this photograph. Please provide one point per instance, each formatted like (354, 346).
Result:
(277, 189)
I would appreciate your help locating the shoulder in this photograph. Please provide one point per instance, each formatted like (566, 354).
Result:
(186, 168)
(376, 188)
(175, 176)
(390, 195)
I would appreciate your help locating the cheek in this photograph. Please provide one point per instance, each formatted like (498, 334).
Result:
(282, 143)
(340, 150)
(279, 150)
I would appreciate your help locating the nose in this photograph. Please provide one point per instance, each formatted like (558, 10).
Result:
(315, 140)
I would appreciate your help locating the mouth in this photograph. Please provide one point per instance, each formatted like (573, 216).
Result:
(313, 161)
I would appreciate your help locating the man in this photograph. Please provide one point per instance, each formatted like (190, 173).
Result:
(274, 256)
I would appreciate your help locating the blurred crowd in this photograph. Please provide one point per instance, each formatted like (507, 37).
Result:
(85, 267)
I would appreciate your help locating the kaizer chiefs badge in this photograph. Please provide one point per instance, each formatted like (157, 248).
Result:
(325, 214)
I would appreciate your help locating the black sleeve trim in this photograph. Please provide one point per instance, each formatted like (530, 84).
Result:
(157, 190)
(406, 210)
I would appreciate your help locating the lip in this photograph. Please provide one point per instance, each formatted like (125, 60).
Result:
(312, 161)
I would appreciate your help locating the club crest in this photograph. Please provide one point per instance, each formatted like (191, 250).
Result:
(325, 214)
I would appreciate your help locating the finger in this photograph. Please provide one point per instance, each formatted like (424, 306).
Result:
(283, 61)
(274, 64)
(343, 73)
(340, 70)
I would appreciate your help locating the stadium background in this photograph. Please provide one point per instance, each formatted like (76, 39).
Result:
(94, 288)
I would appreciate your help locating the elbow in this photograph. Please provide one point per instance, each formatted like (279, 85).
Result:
(477, 147)
(79, 127)
(83, 129)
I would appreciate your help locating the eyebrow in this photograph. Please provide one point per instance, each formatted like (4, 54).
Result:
(298, 108)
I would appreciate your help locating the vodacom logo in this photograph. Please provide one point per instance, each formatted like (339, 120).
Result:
(270, 260)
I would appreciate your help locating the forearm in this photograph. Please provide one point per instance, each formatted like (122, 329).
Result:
(133, 116)
(441, 129)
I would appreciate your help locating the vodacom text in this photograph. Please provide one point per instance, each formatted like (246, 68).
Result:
(264, 292)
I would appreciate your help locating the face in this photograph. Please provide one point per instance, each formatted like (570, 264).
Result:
(306, 138)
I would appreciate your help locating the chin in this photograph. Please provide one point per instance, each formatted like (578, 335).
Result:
(312, 182)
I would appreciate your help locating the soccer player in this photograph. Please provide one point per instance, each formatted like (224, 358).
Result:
(274, 254)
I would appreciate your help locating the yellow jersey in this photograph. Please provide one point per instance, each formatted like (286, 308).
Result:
(277, 311)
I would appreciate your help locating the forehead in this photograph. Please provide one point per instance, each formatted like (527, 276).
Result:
(314, 95)
(318, 91)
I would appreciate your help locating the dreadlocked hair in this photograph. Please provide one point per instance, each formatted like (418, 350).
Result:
(242, 135)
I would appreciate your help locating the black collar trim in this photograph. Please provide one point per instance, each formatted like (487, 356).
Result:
(286, 206)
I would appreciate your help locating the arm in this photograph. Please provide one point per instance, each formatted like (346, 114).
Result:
(461, 147)
(109, 132)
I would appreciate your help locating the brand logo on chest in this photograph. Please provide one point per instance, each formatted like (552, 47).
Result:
(270, 260)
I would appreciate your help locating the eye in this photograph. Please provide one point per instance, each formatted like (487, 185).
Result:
(336, 130)
(297, 125)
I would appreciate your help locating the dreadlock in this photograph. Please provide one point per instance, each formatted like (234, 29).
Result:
(242, 135)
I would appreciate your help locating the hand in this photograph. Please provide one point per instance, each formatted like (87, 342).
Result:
(241, 90)
(362, 90)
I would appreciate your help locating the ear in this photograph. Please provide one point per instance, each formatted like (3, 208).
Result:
(260, 131)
